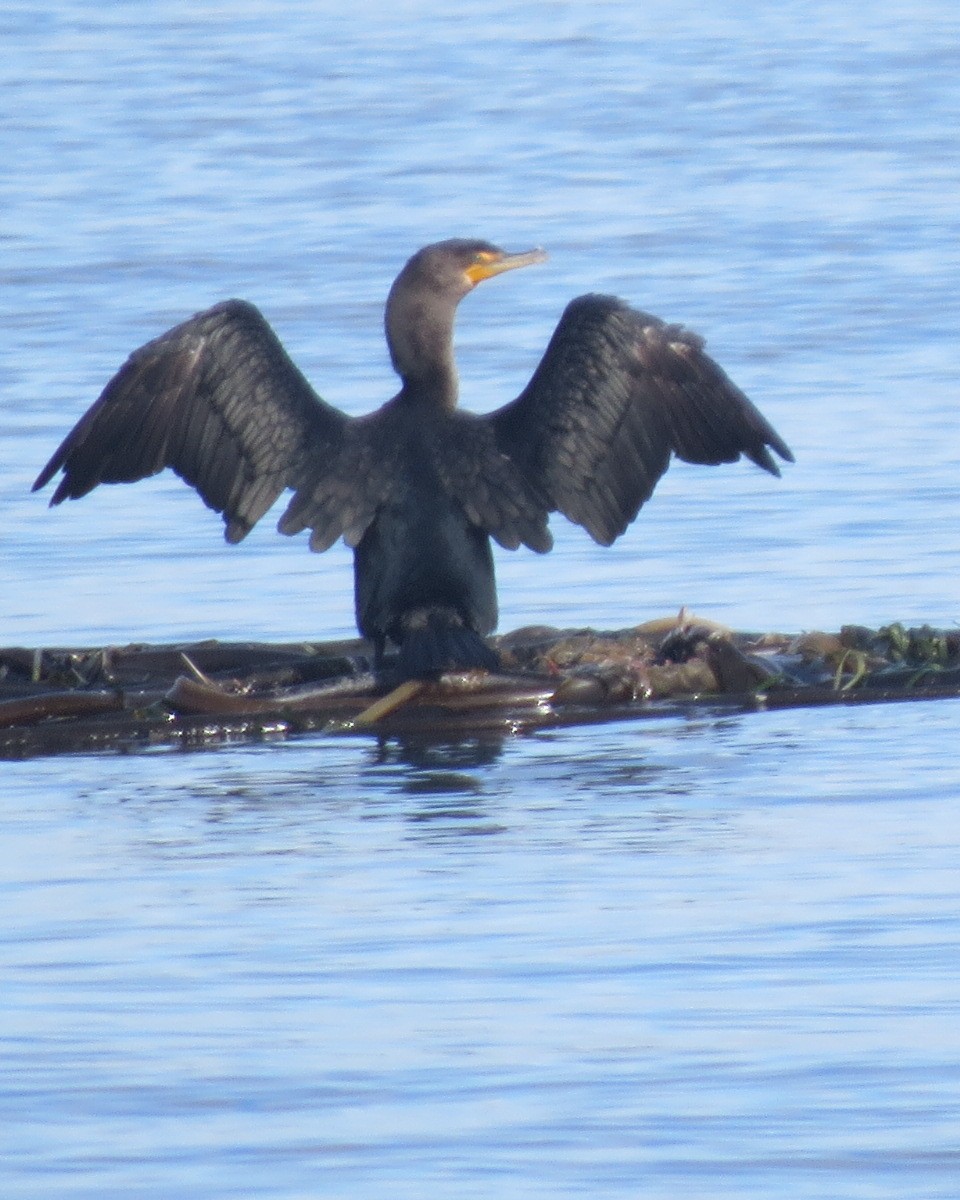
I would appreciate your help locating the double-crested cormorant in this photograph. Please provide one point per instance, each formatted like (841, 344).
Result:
(418, 488)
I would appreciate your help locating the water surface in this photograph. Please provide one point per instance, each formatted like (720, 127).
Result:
(702, 957)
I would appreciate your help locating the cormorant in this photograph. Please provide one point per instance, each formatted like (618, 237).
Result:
(418, 488)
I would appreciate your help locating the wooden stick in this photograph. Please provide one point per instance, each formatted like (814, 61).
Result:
(383, 707)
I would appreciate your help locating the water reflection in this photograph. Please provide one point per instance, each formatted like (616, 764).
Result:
(429, 755)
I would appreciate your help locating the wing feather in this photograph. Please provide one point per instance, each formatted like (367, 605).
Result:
(341, 497)
(616, 394)
(495, 495)
(216, 398)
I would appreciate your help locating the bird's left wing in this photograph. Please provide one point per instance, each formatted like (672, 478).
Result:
(615, 394)
(216, 398)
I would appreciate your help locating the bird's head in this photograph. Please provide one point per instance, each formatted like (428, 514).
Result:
(448, 270)
(425, 295)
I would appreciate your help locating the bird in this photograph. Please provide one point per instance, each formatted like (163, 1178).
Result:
(419, 487)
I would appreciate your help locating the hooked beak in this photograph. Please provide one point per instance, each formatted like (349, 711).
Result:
(489, 263)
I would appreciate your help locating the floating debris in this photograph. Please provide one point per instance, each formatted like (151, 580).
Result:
(124, 697)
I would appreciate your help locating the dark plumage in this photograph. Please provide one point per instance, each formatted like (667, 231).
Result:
(419, 487)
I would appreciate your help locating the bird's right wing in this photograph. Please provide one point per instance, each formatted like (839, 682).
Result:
(216, 398)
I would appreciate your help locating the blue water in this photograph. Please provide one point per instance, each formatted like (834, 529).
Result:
(702, 957)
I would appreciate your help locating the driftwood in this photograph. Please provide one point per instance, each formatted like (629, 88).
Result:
(120, 698)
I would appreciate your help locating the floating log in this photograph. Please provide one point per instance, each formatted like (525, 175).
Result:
(55, 700)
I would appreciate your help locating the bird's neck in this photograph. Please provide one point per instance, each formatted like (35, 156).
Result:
(420, 338)
(435, 390)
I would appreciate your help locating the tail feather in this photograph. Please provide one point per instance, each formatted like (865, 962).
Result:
(437, 640)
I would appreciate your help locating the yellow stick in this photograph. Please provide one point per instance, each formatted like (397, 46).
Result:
(390, 703)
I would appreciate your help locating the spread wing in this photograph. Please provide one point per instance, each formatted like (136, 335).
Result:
(494, 494)
(340, 496)
(216, 398)
(616, 393)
